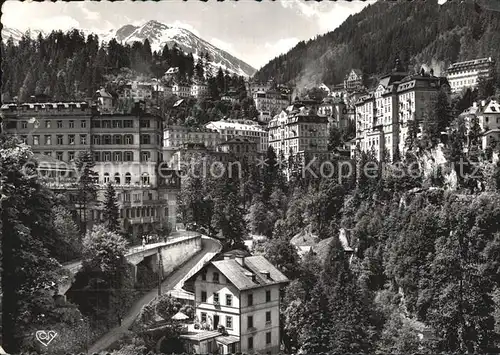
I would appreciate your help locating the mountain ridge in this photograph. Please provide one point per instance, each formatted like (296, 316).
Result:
(417, 33)
(158, 35)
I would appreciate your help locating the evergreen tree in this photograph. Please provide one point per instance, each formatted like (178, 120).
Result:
(316, 324)
(87, 190)
(111, 213)
(270, 174)
(69, 235)
(349, 313)
(29, 273)
(228, 211)
(165, 54)
(103, 288)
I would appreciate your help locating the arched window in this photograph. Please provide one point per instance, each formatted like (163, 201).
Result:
(117, 139)
(129, 139)
(106, 178)
(128, 178)
(117, 156)
(129, 156)
(117, 178)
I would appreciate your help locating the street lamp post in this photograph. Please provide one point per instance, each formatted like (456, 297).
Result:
(159, 276)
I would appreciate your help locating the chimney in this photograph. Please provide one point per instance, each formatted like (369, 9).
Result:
(483, 103)
(250, 275)
(474, 104)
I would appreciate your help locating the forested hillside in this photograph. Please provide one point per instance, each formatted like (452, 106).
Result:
(417, 32)
(71, 66)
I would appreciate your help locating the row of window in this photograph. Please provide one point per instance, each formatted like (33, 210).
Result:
(229, 323)
(48, 124)
(128, 179)
(106, 139)
(120, 156)
(229, 298)
(144, 123)
(127, 139)
(97, 215)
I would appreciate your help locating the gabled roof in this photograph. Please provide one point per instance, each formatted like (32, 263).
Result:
(241, 275)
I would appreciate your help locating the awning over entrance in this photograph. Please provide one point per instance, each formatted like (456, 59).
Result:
(227, 340)
(200, 336)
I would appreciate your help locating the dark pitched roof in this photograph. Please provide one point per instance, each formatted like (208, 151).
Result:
(241, 276)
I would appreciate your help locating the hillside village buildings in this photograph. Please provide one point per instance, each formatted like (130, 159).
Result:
(463, 75)
(241, 294)
(382, 116)
(126, 148)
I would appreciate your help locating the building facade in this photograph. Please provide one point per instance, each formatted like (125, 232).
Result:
(177, 136)
(383, 115)
(353, 80)
(336, 111)
(487, 114)
(243, 295)
(294, 132)
(181, 90)
(463, 75)
(269, 103)
(199, 90)
(254, 87)
(229, 129)
(138, 91)
(126, 149)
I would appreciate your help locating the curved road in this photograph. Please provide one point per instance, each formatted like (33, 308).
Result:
(209, 248)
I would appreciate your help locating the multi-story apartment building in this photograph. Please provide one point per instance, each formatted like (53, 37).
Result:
(177, 136)
(335, 110)
(382, 116)
(138, 91)
(229, 129)
(199, 90)
(462, 75)
(181, 90)
(269, 103)
(126, 149)
(254, 87)
(487, 114)
(243, 149)
(243, 295)
(353, 80)
(295, 131)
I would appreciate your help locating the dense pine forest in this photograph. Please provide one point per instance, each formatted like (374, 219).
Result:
(66, 65)
(417, 32)
(425, 239)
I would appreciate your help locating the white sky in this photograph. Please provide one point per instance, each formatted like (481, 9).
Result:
(253, 31)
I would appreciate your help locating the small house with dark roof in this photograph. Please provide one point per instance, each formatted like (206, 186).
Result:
(239, 296)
